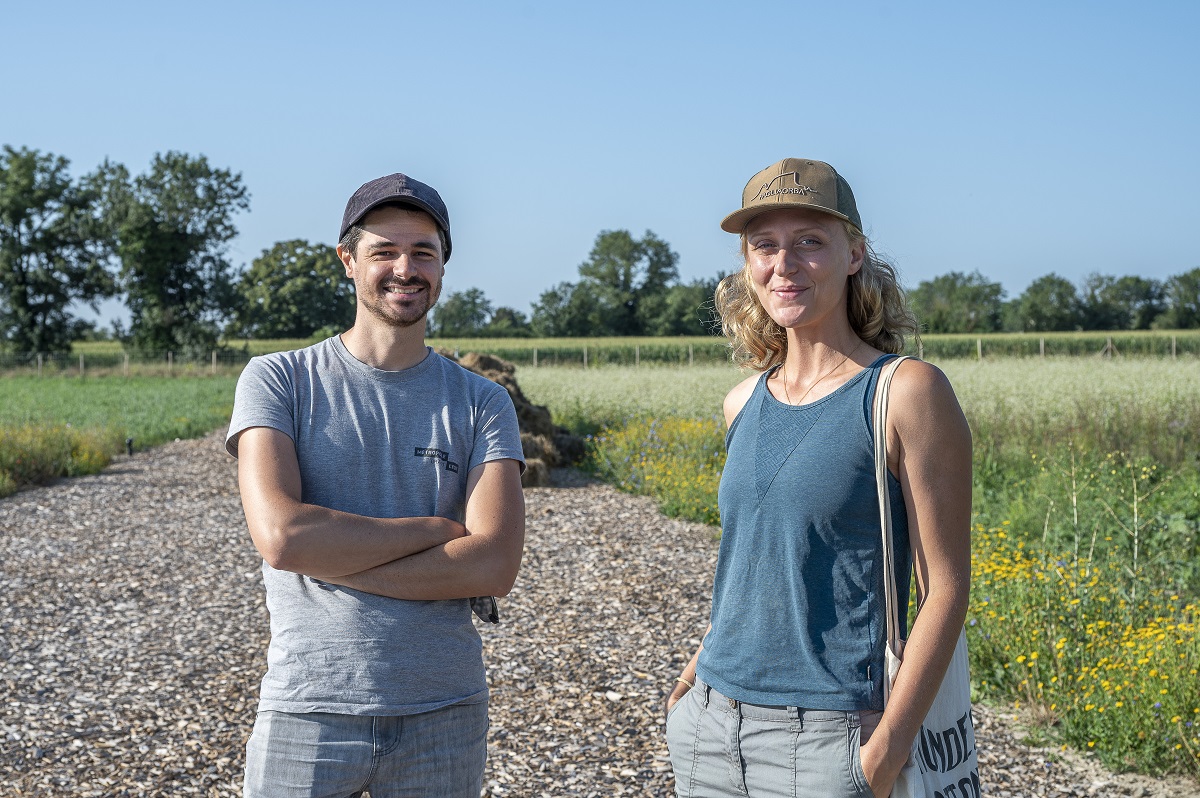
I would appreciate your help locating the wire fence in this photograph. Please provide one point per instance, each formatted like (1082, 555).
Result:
(122, 363)
(599, 353)
(1027, 345)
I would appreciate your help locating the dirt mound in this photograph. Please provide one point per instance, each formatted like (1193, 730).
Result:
(545, 445)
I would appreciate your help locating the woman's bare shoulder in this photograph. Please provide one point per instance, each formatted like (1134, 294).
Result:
(921, 393)
(736, 399)
(920, 377)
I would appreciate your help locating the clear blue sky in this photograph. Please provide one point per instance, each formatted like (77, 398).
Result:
(1015, 138)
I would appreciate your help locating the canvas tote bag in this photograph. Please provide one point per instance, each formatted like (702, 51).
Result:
(943, 762)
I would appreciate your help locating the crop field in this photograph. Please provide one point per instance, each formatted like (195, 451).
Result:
(1148, 406)
(1178, 345)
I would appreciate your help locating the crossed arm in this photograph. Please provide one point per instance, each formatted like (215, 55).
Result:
(425, 558)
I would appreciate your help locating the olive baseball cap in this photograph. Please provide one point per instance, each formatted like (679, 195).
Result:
(794, 183)
(396, 188)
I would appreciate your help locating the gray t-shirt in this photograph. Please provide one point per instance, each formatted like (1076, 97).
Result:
(384, 444)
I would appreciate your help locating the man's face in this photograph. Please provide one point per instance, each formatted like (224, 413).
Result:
(397, 267)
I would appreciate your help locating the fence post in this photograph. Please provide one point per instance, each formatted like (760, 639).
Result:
(585, 355)
(535, 357)
(170, 364)
(979, 348)
(39, 364)
(81, 364)
(637, 355)
(213, 370)
(1172, 347)
(125, 366)
(691, 356)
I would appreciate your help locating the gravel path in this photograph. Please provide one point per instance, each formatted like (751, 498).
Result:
(133, 635)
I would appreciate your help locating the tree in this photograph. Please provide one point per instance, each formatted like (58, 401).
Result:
(685, 309)
(567, 310)
(624, 274)
(1049, 304)
(1144, 299)
(173, 226)
(293, 289)
(507, 322)
(1125, 303)
(627, 286)
(1100, 308)
(958, 303)
(462, 314)
(52, 251)
(1183, 302)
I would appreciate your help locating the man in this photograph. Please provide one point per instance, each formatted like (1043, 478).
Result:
(381, 484)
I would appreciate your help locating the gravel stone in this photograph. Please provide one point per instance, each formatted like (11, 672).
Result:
(133, 635)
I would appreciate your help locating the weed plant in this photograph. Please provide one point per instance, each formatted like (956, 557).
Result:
(1092, 624)
(34, 454)
(676, 460)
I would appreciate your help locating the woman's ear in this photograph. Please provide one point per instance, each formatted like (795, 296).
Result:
(858, 252)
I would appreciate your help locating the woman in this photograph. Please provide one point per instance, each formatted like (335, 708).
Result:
(785, 694)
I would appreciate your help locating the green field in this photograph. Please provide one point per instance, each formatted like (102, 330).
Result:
(57, 426)
(1086, 548)
(151, 410)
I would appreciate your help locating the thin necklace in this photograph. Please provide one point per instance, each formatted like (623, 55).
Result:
(841, 363)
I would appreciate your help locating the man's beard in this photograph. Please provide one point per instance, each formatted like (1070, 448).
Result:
(405, 317)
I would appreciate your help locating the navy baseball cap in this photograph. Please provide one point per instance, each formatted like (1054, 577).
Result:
(396, 188)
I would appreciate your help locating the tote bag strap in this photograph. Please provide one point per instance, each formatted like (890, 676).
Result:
(879, 421)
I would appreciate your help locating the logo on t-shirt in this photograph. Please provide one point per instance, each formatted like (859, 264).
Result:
(424, 451)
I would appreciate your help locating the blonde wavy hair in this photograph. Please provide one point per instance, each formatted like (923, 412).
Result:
(875, 304)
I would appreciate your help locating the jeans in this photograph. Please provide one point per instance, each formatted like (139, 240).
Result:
(720, 747)
(437, 754)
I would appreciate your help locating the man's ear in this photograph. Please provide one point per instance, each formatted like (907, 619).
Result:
(347, 260)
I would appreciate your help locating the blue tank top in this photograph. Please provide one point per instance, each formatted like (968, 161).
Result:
(797, 608)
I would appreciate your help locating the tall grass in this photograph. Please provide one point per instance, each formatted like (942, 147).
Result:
(34, 454)
(677, 460)
(1149, 407)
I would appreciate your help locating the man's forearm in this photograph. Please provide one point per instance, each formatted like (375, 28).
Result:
(324, 543)
(461, 568)
(482, 563)
(312, 540)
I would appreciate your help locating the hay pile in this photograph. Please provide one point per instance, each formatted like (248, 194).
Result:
(545, 445)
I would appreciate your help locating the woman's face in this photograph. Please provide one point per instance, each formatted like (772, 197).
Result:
(799, 261)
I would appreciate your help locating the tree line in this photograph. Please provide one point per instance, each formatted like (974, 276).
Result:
(627, 286)
(160, 240)
(970, 303)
